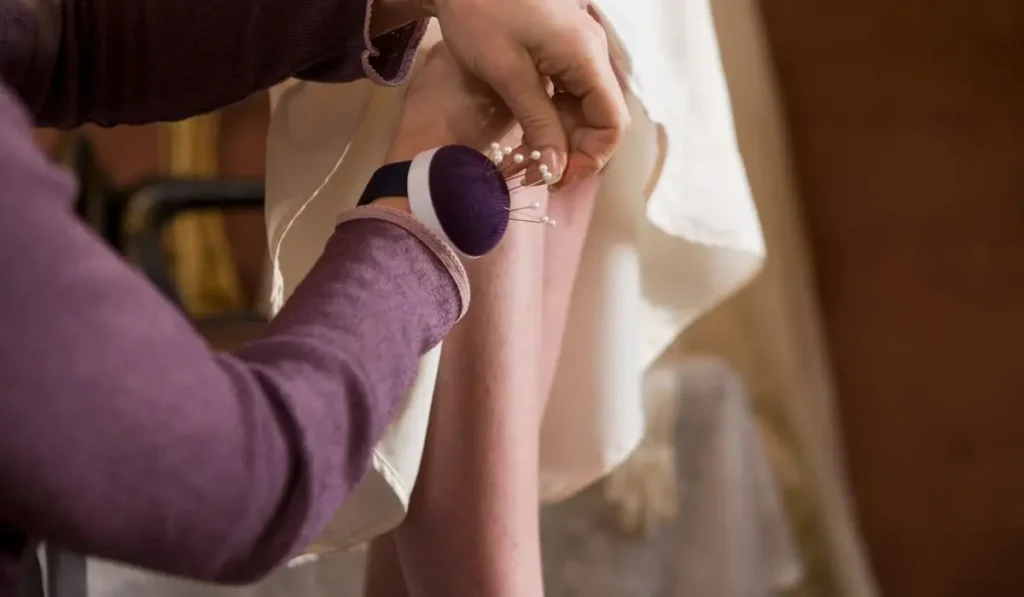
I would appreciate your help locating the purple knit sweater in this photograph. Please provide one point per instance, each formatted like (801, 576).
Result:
(121, 435)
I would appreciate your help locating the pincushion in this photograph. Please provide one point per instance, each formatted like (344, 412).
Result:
(455, 191)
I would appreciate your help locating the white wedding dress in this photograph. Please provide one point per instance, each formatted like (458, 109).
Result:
(652, 263)
(674, 232)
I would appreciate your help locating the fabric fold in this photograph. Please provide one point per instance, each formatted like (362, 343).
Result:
(674, 232)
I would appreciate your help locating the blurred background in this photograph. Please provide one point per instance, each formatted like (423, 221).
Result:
(877, 358)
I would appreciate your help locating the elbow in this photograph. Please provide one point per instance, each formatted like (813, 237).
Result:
(228, 565)
(237, 567)
(250, 559)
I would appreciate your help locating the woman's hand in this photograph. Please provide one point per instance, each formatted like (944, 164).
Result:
(515, 46)
(446, 105)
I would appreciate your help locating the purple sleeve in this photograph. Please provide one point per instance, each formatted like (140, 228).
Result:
(137, 61)
(122, 436)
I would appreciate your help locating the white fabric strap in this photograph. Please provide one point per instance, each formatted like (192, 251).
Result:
(421, 203)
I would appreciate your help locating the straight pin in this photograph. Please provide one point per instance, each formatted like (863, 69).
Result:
(534, 205)
(530, 185)
(541, 220)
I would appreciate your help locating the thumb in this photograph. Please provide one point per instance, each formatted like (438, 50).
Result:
(525, 92)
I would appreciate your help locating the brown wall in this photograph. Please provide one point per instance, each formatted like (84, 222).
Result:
(908, 126)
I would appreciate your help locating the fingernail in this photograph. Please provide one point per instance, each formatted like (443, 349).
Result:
(555, 164)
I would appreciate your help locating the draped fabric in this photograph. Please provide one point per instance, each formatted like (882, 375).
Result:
(771, 332)
(673, 233)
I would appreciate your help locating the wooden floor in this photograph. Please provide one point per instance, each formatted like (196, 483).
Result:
(907, 119)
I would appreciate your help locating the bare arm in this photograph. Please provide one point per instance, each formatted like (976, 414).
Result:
(136, 61)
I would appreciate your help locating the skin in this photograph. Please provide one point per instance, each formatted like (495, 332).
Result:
(518, 49)
(478, 483)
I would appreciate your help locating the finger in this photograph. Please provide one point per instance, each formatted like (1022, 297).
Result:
(606, 58)
(615, 53)
(526, 167)
(581, 140)
(603, 114)
(516, 161)
(522, 165)
(603, 119)
(581, 137)
(525, 93)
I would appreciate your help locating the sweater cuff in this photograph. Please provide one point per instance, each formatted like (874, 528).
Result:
(444, 253)
(388, 58)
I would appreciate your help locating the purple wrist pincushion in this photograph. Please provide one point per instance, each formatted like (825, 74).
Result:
(454, 190)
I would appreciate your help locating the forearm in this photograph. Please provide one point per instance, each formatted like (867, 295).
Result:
(217, 467)
(130, 62)
(122, 436)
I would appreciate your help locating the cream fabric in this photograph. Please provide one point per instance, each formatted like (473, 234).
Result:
(771, 333)
(648, 269)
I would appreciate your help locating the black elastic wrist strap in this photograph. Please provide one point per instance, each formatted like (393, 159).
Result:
(390, 180)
